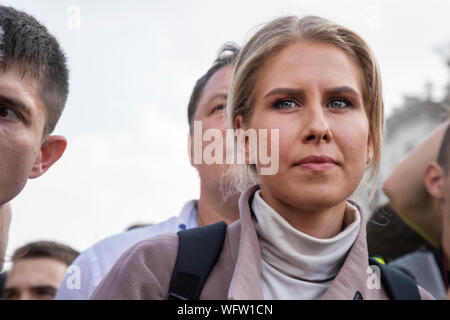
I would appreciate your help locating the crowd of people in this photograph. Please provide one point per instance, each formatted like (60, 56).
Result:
(293, 234)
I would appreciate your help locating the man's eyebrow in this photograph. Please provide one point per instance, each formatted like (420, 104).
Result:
(218, 96)
(301, 92)
(40, 287)
(16, 103)
(8, 290)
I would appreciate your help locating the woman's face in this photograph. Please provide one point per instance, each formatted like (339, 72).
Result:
(311, 92)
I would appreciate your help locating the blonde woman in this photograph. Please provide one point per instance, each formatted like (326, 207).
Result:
(299, 236)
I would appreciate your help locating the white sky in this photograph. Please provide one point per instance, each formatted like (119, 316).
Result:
(133, 65)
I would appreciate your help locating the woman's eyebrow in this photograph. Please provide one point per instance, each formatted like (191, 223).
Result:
(301, 92)
(288, 91)
(343, 90)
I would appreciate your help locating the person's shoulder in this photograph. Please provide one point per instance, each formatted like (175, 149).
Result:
(424, 294)
(151, 252)
(411, 258)
(122, 241)
(99, 258)
(142, 272)
(171, 225)
(165, 242)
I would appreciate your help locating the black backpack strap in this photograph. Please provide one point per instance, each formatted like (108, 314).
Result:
(198, 251)
(397, 285)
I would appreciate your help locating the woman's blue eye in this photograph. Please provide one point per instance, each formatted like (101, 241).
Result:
(339, 104)
(8, 114)
(284, 104)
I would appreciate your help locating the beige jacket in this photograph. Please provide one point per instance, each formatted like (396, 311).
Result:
(144, 271)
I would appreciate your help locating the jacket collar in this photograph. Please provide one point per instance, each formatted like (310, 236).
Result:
(246, 281)
(353, 275)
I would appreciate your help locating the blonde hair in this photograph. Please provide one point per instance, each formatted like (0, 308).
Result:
(270, 40)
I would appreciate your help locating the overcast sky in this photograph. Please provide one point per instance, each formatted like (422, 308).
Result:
(133, 65)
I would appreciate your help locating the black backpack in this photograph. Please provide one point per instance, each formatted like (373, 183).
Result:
(199, 249)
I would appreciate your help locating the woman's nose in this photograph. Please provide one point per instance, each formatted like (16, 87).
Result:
(316, 128)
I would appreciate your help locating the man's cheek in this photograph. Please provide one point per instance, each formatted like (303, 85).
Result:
(16, 164)
(215, 123)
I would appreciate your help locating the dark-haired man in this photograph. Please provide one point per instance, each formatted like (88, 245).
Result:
(33, 91)
(38, 269)
(207, 104)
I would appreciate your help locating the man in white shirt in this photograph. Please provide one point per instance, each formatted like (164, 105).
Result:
(207, 104)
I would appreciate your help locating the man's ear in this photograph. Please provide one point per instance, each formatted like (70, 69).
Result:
(190, 150)
(434, 180)
(52, 149)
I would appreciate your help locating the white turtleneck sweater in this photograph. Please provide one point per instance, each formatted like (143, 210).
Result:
(294, 264)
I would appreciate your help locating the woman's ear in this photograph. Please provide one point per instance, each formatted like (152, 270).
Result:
(52, 149)
(244, 142)
(434, 180)
(239, 122)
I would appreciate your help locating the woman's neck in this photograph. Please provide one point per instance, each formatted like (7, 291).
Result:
(319, 223)
(212, 208)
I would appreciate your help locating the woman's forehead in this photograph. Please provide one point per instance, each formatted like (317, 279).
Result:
(306, 63)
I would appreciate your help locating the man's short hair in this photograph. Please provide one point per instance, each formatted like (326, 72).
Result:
(46, 249)
(226, 56)
(28, 44)
(444, 152)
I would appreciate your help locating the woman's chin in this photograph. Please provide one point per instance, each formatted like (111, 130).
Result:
(314, 205)
(314, 200)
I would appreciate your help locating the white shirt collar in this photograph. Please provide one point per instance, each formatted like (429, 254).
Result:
(188, 216)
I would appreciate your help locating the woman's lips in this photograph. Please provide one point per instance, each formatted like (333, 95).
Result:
(315, 166)
(317, 163)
